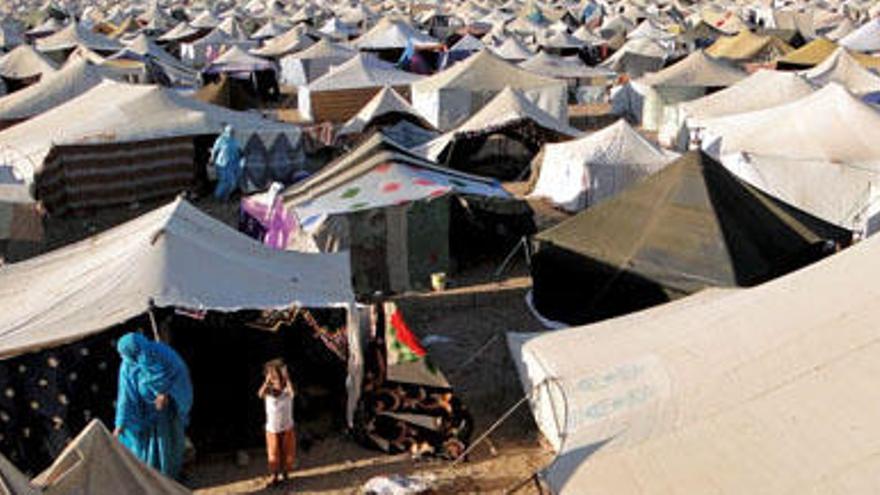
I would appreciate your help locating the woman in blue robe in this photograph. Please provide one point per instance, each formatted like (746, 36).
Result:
(226, 156)
(153, 402)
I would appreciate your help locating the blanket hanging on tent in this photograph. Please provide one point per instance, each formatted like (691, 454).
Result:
(408, 405)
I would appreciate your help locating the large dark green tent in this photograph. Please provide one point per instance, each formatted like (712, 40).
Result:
(690, 226)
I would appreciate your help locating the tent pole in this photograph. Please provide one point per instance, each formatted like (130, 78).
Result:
(520, 484)
(153, 325)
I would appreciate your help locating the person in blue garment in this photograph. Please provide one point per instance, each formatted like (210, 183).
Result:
(153, 402)
(226, 156)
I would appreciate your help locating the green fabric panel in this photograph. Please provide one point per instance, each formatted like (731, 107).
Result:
(368, 251)
(428, 240)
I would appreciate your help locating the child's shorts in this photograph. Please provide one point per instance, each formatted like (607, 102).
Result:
(281, 450)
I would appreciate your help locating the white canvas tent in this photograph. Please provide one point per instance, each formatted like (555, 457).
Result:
(763, 390)
(843, 194)
(175, 256)
(74, 79)
(25, 63)
(509, 107)
(829, 125)
(113, 112)
(303, 67)
(75, 35)
(685, 80)
(13, 481)
(576, 174)
(96, 463)
(843, 68)
(386, 101)
(391, 34)
(763, 89)
(865, 38)
(361, 72)
(449, 97)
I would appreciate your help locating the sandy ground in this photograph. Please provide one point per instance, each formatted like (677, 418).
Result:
(471, 322)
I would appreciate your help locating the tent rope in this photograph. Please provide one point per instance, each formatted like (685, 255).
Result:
(492, 428)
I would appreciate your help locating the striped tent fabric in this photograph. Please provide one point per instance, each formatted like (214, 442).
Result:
(80, 177)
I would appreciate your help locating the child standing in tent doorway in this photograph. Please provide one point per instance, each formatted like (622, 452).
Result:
(226, 156)
(277, 392)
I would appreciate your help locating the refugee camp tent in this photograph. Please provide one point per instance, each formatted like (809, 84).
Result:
(237, 62)
(201, 51)
(844, 69)
(691, 78)
(10, 36)
(343, 90)
(809, 55)
(748, 47)
(369, 201)
(74, 79)
(638, 57)
(170, 257)
(462, 49)
(97, 463)
(823, 127)
(338, 30)
(392, 34)
(763, 89)
(152, 127)
(513, 50)
(866, 38)
(571, 69)
(13, 481)
(23, 66)
(840, 193)
(387, 107)
(269, 30)
(764, 390)
(501, 139)
(151, 55)
(577, 174)
(58, 45)
(450, 97)
(303, 67)
(293, 40)
(174, 258)
(690, 226)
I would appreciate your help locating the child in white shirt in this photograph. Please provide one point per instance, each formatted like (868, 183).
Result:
(277, 392)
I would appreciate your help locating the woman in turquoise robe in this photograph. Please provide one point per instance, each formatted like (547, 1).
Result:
(153, 402)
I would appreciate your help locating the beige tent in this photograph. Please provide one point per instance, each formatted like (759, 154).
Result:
(686, 80)
(152, 127)
(830, 125)
(340, 93)
(843, 68)
(761, 90)
(25, 63)
(13, 481)
(95, 463)
(579, 173)
(74, 79)
(75, 35)
(766, 390)
(449, 97)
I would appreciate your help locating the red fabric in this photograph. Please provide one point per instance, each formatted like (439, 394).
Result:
(406, 336)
